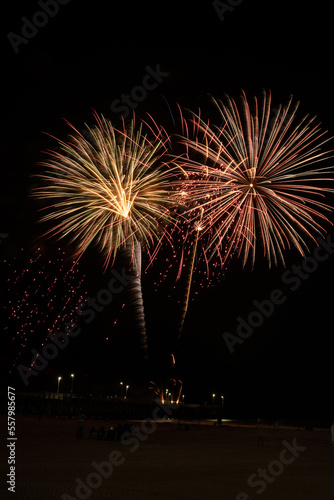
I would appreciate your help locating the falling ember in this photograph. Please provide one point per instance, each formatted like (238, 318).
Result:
(42, 296)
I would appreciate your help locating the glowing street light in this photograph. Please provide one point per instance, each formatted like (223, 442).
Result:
(222, 400)
(72, 377)
(126, 391)
(121, 384)
(213, 398)
(59, 379)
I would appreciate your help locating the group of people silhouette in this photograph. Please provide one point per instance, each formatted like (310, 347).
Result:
(111, 434)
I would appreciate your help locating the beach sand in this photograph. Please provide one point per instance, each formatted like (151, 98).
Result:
(201, 463)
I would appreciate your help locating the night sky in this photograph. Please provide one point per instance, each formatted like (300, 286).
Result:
(85, 57)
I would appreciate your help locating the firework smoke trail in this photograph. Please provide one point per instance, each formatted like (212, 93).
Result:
(136, 297)
(257, 180)
(111, 189)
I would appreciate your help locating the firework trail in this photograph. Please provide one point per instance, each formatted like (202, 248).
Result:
(257, 178)
(191, 228)
(111, 189)
(187, 259)
(190, 271)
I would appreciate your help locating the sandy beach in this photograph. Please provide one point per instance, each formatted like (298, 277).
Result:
(163, 461)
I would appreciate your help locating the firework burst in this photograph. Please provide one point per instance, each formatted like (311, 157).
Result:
(107, 188)
(113, 189)
(257, 178)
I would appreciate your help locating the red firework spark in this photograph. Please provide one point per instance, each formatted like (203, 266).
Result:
(257, 178)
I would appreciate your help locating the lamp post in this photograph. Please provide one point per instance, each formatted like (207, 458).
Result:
(59, 379)
(72, 377)
(222, 400)
(213, 404)
(121, 384)
(126, 391)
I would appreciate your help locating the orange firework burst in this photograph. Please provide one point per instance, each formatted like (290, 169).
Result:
(110, 189)
(257, 178)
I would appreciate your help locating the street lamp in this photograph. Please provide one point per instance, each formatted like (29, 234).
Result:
(59, 379)
(222, 400)
(126, 391)
(183, 398)
(213, 398)
(121, 384)
(72, 377)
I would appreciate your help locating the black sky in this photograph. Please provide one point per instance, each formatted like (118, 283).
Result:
(85, 57)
